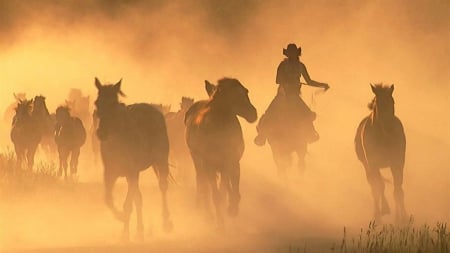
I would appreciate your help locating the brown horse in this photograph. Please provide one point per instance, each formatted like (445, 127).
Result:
(380, 142)
(45, 124)
(132, 138)
(179, 151)
(286, 134)
(215, 140)
(70, 135)
(24, 134)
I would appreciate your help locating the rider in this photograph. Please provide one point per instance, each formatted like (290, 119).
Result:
(288, 79)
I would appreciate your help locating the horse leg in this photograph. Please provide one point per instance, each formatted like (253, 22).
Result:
(20, 154)
(30, 156)
(74, 161)
(400, 212)
(377, 185)
(281, 160)
(109, 180)
(201, 181)
(163, 173)
(301, 153)
(140, 222)
(132, 181)
(63, 164)
(235, 196)
(217, 198)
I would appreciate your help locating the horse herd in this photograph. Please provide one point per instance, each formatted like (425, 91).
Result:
(135, 137)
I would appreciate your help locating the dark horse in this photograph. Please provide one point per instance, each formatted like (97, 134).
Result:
(45, 124)
(132, 138)
(380, 142)
(24, 134)
(70, 135)
(286, 135)
(215, 140)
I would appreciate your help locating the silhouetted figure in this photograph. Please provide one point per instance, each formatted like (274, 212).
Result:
(94, 139)
(70, 135)
(24, 134)
(132, 138)
(288, 79)
(11, 109)
(79, 106)
(380, 142)
(45, 124)
(179, 151)
(214, 137)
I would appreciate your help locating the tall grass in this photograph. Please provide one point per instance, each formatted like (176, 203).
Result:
(15, 179)
(398, 239)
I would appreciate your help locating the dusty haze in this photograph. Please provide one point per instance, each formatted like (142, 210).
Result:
(166, 50)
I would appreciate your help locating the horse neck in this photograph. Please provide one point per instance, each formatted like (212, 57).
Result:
(219, 106)
(114, 116)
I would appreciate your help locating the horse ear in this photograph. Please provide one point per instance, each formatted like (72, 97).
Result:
(392, 89)
(98, 84)
(210, 88)
(373, 88)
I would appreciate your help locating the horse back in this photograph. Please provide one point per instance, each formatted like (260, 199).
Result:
(380, 149)
(213, 136)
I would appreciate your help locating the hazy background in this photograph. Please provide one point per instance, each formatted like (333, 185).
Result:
(166, 49)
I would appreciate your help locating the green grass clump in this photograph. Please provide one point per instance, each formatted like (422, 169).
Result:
(398, 239)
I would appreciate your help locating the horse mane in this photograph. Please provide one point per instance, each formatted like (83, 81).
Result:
(24, 105)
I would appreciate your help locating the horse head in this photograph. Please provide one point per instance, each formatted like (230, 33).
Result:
(383, 103)
(39, 105)
(107, 105)
(23, 110)
(62, 114)
(230, 93)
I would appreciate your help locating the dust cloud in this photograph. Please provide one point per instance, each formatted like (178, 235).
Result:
(164, 50)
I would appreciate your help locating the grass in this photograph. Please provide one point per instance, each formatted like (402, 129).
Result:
(15, 179)
(398, 239)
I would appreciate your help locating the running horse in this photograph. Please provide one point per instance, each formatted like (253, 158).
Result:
(380, 142)
(286, 134)
(132, 138)
(45, 124)
(70, 135)
(24, 135)
(215, 140)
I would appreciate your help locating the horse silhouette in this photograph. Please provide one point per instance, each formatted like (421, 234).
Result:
(286, 135)
(70, 135)
(215, 140)
(179, 151)
(45, 124)
(380, 142)
(24, 135)
(132, 138)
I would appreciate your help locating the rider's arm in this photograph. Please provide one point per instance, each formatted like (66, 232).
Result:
(308, 79)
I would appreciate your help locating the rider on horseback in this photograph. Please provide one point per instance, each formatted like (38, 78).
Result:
(288, 77)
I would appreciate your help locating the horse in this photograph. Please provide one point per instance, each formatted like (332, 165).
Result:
(286, 135)
(24, 135)
(380, 142)
(179, 152)
(70, 135)
(45, 124)
(132, 138)
(215, 140)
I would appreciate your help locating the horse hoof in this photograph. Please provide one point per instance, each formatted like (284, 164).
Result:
(120, 216)
(140, 236)
(168, 226)
(233, 211)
